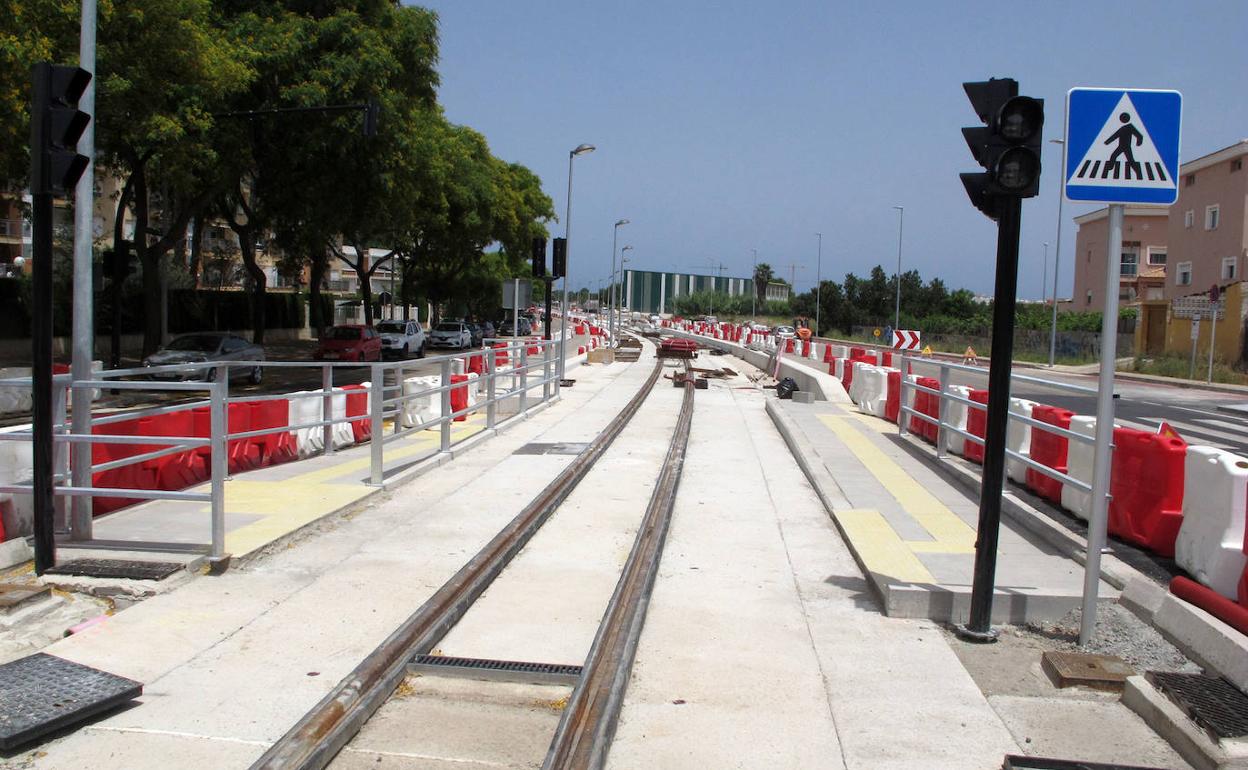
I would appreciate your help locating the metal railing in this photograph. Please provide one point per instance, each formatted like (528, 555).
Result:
(944, 430)
(512, 384)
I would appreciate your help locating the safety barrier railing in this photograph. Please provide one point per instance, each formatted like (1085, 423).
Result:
(525, 372)
(944, 429)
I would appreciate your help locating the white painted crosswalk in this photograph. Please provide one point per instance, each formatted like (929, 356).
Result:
(1197, 432)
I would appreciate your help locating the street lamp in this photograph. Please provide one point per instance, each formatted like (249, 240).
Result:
(580, 149)
(819, 281)
(901, 221)
(754, 288)
(621, 298)
(1057, 255)
(615, 232)
(1044, 275)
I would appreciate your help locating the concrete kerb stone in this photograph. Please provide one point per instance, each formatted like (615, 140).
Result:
(1191, 742)
(825, 386)
(1203, 638)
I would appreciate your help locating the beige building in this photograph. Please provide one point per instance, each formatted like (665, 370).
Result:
(1208, 232)
(1144, 256)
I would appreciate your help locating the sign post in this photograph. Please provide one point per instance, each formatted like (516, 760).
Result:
(1213, 326)
(1122, 147)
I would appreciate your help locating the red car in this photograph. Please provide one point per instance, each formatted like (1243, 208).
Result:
(350, 342)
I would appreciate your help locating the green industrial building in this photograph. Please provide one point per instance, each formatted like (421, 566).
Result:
(650, 291)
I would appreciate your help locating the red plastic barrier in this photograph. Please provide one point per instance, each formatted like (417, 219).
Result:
(847, 374)
(856, 352)
(886, 358)
(500, 357)
(788, 346)
(357, 406)
(580, 329)
(476, 364)
(1222, 608)
(1146, 489)
(827, 354)
(925, 403)
(244, 453)
(866, 358)
(1048, 449)
(892, 400)
(532, 348)
(126, 477)
(459, 396)
(181, 470)
(976, 425)
(275, 448)
(805, 348)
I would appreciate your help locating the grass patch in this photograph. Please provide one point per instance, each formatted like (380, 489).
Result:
(1180, 368)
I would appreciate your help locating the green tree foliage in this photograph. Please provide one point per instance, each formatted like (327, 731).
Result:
(762, 275)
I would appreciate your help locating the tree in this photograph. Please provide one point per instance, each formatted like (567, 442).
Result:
(763, 274)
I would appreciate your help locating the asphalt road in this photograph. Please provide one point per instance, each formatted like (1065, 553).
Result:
(1192, 412)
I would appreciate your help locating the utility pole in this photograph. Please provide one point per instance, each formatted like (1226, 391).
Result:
(818, 280)
(754, 287)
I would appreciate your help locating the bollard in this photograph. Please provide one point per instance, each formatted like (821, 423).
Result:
(327, 408)
(376, 458)
(220, 392)
(445, 428)
(490, 404)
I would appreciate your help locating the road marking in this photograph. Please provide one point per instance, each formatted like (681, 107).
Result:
(1199, 429)
(880, 549)
(949, 533)
(1239, 426)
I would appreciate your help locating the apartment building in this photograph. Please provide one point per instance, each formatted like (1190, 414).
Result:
(1144, 254)
(1208, 226)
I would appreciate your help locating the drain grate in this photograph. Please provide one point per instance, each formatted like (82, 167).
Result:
(556, 448)
(1015, 762)
(117, 568)
(1211, 702)
(43, 693)
(497, 670)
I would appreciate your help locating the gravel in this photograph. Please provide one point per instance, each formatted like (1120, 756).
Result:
(1118, 632)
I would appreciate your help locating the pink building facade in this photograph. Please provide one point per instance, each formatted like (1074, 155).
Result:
(1144, 230)
(1208, 226)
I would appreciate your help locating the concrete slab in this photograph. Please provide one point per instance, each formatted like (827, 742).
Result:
(912, 531)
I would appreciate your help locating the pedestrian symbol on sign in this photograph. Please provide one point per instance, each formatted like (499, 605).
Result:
(1123, 137)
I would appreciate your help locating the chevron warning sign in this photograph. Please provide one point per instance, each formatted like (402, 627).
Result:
(905, 339)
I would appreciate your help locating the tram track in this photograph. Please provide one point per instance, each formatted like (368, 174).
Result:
(315, 740)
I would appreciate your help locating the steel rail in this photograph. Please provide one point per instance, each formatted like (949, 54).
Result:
(587, 727)
(322, 732)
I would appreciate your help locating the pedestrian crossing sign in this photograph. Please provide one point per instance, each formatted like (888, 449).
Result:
(1122, 146)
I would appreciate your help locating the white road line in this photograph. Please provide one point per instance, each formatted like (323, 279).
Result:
(1239, 426)
(1186, 429)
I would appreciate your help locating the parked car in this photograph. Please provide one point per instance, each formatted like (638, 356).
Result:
(401, 339)
(506, 327)
(780, 331)
(477, 334)
(203, 347)
(349, 342)
(451, 334)
(488, 331)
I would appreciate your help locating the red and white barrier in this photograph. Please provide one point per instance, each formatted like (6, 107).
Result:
(14, 398)
(16, 467)
(871, 382)
(1212, 539)
(1079, 460)
(1018, 439)
(956, 416)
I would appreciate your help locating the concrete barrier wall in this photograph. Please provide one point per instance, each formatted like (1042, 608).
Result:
(803, 371)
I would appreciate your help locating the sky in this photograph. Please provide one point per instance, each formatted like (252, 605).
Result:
(727, 127)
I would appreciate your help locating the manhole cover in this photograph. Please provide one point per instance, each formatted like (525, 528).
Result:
(500, 670)
(557, 448)
(1212, 702)
(43, 693)
(117, 568)
(1015, 762)
(1103, 672)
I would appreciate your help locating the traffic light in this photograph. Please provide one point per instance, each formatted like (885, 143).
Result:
(118, 263)
(539, 257)
(559, 258)
(55, 125)
(1007, 145)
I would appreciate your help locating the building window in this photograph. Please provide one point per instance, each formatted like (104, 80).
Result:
(1183, 276)
(1156, 256)
(1228, 268)
(1237, 164)
(1211, 217)
(1126, 293)
(1189, 180)
(1130, 263)
(1189, 218)
(1088, 300)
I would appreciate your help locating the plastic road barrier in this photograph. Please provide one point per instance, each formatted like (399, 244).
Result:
(805, 348)
(500, 357)
(1048, 449)
(275, 448)
(1018, 439)
(976, 425)
(956, 416)
(1079, 460)
(886, 358)
(1212, 541)
(424, 408)
(857, 352)
(358, 397)
(840, 351)
(16, 467)
(1146, 489)
(925, 403)
(872, 382)
(892, 404)
(828, 356)
(14, 398)
(847, 375)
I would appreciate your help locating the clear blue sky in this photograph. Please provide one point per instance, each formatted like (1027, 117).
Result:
(731, 126)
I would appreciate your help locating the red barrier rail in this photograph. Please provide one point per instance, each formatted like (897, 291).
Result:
(1146, 489)
(1049, 449)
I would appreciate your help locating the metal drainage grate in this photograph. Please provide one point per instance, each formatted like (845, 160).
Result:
(497, 670)
(1015, 762)
(117, 568)
(557, 448)
(1212, 702)
(43, 693)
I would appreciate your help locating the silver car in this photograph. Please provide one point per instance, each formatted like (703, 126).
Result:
(401, 339)
(451, 334)
(207, 347)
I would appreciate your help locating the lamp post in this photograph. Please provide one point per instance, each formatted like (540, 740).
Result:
(581, 149)
(901, 221)
(1044, 275)
(622, 297)
(754, 288)
(1057, 255)
(819, 280)
(611, 319)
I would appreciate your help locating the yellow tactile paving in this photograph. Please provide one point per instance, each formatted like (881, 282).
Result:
(879, 547)
(950, 534)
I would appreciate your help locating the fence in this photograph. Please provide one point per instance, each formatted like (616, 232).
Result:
(505, 366)
(1027, 342)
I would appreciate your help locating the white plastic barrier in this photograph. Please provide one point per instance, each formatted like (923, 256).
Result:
(855, 387)
(16, 467)
(873, 390)
(840, 351)
(424, 408)
(1079, 460)
(1210, 545)
(473, 380)
(838, 370)
(1018, 439)
(300, 411)
(14, 398)
(955, 416)
(907, 400)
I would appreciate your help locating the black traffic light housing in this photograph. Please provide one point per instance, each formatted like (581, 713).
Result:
(55, 125)
(1008, 145)
(539, 258)
(559, 258)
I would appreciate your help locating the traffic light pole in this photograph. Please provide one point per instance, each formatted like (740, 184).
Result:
(41, 391)
(979, 627)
